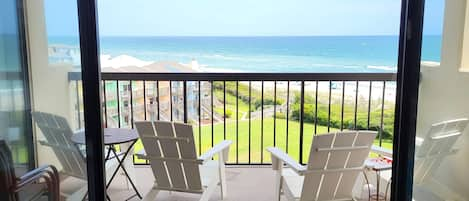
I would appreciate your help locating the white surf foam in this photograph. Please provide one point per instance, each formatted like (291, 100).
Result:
(386, 68)
(121, 61)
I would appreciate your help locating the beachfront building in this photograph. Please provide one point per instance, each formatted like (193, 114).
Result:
(53, 112)
(162, 94)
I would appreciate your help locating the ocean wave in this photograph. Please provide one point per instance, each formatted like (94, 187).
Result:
(386, 68)
(250, 58)
(219, 70)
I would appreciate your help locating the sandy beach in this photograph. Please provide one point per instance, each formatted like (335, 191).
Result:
(336, 89)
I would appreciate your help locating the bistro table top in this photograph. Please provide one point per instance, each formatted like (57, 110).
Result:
(378, 164)
(111, 136)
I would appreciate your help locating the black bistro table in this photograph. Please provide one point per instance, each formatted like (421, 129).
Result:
(113, 137)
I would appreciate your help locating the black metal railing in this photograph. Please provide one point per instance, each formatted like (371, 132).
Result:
(255, 110)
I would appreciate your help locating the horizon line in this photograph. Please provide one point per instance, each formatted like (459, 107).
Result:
(241, 36)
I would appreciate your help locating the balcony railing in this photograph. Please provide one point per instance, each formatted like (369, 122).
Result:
(255, 110)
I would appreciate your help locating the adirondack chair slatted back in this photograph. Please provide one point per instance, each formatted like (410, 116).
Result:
(171, 150)
(335, 161)
(436, 146)
(7, 174)
(58, 136)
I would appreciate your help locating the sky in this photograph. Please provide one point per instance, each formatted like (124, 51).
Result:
(8, 21)
(240, 17)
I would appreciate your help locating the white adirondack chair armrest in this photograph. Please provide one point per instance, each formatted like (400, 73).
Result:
(143, 155)
(280, 156)
(218, 148)
(381, 151)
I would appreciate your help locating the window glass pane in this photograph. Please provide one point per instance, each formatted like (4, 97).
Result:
(57, 92)
(442, 138)
(15, 126)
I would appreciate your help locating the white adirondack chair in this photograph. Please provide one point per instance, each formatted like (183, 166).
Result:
(171, 150)
(429, 156)
(437, 145)
(335, 161)
(430, 152)
(58, 133)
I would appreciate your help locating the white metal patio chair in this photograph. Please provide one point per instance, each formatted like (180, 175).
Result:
(335, 161)
(170, 148)
(58, 134)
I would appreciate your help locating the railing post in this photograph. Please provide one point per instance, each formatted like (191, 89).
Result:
(382, 115)
(200, 118)
(369, 105)
(249, 123)
(356, 106)
(144, 101)
(275, 113)
(131, 104)
(211, 105)
(185, 100)
(262, 122)
(287, 115)
(237, 122)
(118, 104)
(302, 110)
(171, 100)
(105, 104)
(316, 109)
(329, 108)
(224, 110)
(158, 99)
(78, 103)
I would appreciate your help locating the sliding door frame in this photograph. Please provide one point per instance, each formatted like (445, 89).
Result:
(408, 74)
(91, 77)
(24, 75)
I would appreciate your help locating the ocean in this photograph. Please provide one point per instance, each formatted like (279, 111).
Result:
(266, 54)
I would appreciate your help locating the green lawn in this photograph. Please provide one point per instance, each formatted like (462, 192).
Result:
(239, 151)
(231, 104)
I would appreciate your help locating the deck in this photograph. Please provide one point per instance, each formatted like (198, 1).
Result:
(244, 183)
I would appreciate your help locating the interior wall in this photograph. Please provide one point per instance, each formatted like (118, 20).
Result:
(444, 95)
(49, 83)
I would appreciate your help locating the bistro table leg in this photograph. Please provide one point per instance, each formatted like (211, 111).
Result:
(122, 166)
(105, 160)
(378, 179)
(379, 197)
(387, 187)
(367, 185)
(108, 153)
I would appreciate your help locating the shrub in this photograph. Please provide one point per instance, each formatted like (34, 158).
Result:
(267, 101)
(334, 120)
(228, 113)
(280, 115)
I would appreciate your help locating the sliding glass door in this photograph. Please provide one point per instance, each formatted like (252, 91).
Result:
(15, 125)
(42, 111)
(54, 55)
(442, 133)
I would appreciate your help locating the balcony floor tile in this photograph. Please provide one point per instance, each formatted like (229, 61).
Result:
(244, 183)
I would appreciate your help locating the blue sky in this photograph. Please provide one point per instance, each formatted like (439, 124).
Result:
(241, 17)
(8, 17)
